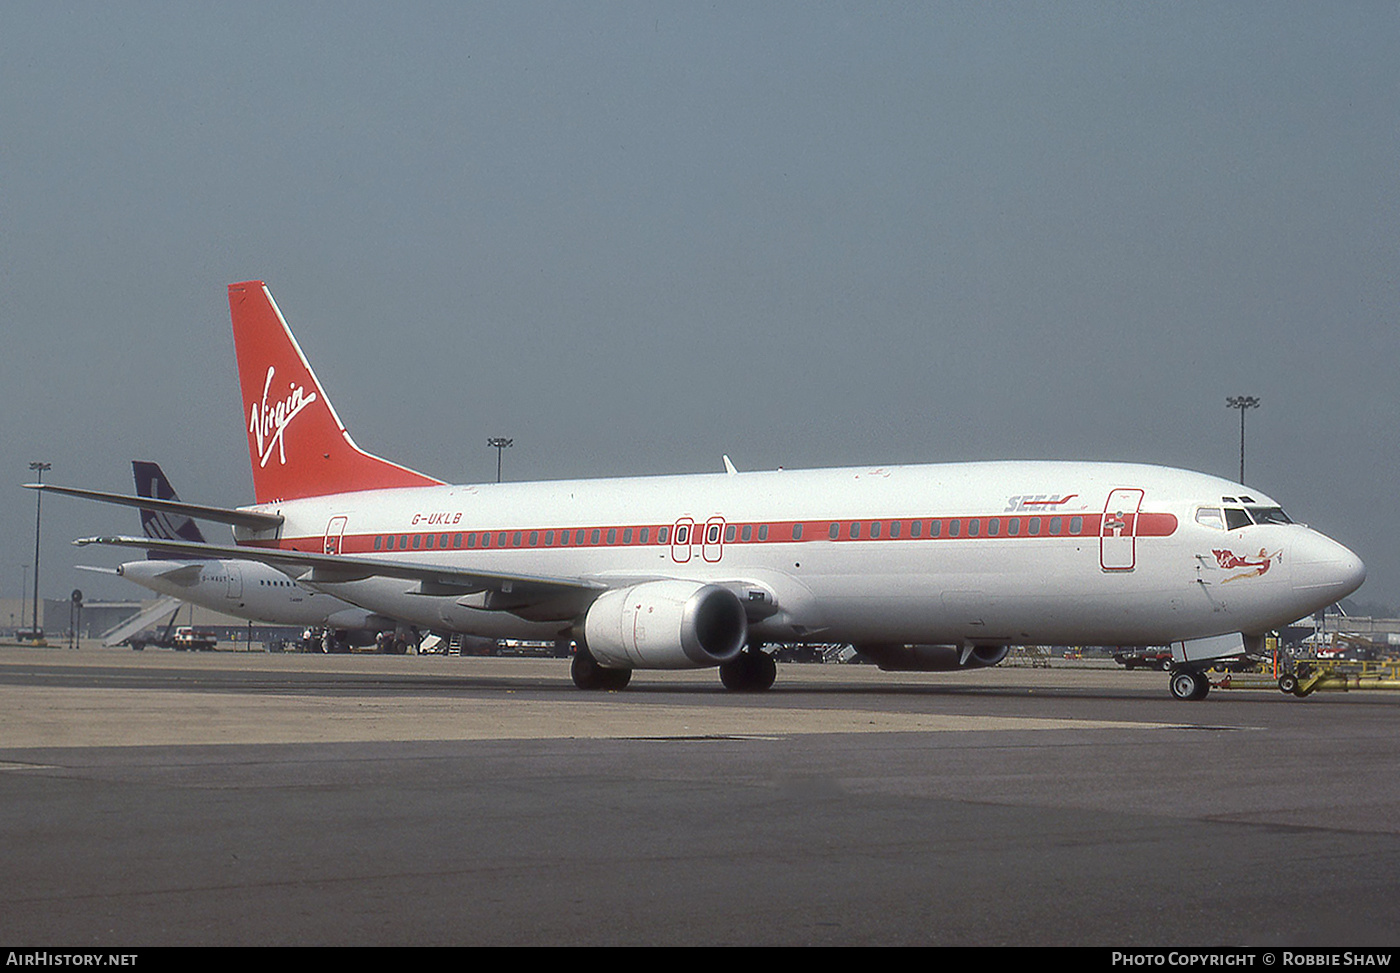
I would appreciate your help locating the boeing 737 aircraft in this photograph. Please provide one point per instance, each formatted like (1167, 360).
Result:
(919, 567)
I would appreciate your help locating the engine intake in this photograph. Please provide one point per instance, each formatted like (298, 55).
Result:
(666, 625)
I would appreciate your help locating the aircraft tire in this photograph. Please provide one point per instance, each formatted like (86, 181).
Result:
(588, 675)
(752, 672)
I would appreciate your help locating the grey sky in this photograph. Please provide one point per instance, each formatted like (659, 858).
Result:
(637, 236)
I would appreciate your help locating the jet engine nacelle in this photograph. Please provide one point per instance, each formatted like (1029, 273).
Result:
(933, 658)
(666, 625)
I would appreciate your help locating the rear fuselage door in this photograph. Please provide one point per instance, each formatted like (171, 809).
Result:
(1118, 530)
(334, 531)
(235, 580)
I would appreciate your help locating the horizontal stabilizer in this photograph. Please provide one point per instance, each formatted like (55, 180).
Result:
(251, 519)
(185, 575)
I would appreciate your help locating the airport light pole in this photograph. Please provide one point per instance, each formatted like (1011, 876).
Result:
(1243, 403)
(38, 509)
(501, 444)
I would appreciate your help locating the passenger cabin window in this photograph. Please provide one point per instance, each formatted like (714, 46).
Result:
(1210, 517)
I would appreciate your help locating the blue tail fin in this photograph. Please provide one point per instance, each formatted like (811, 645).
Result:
(151, 482)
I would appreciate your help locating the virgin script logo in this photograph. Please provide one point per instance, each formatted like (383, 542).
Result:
(268, 423)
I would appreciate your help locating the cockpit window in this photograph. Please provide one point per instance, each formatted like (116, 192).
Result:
(1236, 518)
(1210, 517)
(1268, 515)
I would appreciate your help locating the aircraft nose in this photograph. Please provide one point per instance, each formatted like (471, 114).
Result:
(1327, 569)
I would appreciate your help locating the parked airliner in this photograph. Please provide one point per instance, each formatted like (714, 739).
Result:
(919, 567)
(240, 587)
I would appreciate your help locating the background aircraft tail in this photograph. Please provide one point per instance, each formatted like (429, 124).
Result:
(297, 443)
(161, 524)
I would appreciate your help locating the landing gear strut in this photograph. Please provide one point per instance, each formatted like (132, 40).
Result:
(752, 671)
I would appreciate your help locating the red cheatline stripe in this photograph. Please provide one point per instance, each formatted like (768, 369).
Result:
(996, 528)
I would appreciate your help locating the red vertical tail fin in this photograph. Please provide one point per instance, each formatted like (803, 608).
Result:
(297, 443)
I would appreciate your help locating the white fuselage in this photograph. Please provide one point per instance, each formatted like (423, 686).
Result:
(247, 589)
(1005, 552)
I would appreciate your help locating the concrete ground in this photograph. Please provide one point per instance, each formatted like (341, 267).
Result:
(163, 798)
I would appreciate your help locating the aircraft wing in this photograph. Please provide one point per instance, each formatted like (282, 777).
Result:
(530, 596)
(222, 515)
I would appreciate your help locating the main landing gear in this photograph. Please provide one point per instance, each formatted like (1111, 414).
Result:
(1189, 684)
(752, 671)
(588, 674)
